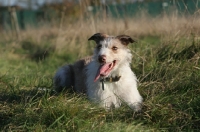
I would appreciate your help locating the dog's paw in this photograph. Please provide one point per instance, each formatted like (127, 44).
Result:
(137, 107)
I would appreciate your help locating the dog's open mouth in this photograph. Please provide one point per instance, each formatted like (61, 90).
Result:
(104, 70)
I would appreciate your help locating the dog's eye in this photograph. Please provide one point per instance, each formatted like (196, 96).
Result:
(114, 48)
(99, 46)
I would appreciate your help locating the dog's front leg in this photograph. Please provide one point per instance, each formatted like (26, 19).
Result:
(132, 98)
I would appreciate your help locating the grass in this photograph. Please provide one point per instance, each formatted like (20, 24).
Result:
(165, 60)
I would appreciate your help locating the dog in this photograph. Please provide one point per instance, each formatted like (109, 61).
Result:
(106, 77)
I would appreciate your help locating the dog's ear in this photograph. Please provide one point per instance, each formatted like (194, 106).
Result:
(98, 37)
(125, 40)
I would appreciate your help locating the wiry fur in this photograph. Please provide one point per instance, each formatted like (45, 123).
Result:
(81, 74)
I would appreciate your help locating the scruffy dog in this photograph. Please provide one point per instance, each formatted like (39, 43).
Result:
(106, 77)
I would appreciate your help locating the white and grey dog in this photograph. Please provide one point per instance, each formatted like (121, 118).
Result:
(106, 77)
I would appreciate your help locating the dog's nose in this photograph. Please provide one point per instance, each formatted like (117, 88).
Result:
(102, 59)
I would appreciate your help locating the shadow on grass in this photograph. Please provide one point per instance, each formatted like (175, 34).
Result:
(20, 96)
(14, 102)
(37, 52)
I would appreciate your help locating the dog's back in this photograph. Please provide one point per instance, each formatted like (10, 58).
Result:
(72, 76)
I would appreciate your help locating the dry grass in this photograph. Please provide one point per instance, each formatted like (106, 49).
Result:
(67, 34)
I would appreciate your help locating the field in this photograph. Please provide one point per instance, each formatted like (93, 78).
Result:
(165, 61)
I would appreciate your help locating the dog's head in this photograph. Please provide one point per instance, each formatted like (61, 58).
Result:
(111, 52)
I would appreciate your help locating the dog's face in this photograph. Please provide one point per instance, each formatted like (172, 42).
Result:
(111, 52)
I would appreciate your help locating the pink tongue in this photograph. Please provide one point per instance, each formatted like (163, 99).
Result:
(103, 70)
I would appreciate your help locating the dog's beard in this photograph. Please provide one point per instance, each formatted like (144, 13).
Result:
(105, 69)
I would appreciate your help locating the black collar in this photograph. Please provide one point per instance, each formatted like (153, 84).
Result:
(109, 79)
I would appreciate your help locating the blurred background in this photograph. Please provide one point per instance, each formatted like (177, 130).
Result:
(24, 13)
(66, 22)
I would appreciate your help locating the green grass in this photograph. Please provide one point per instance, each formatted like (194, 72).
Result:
(169, 81)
